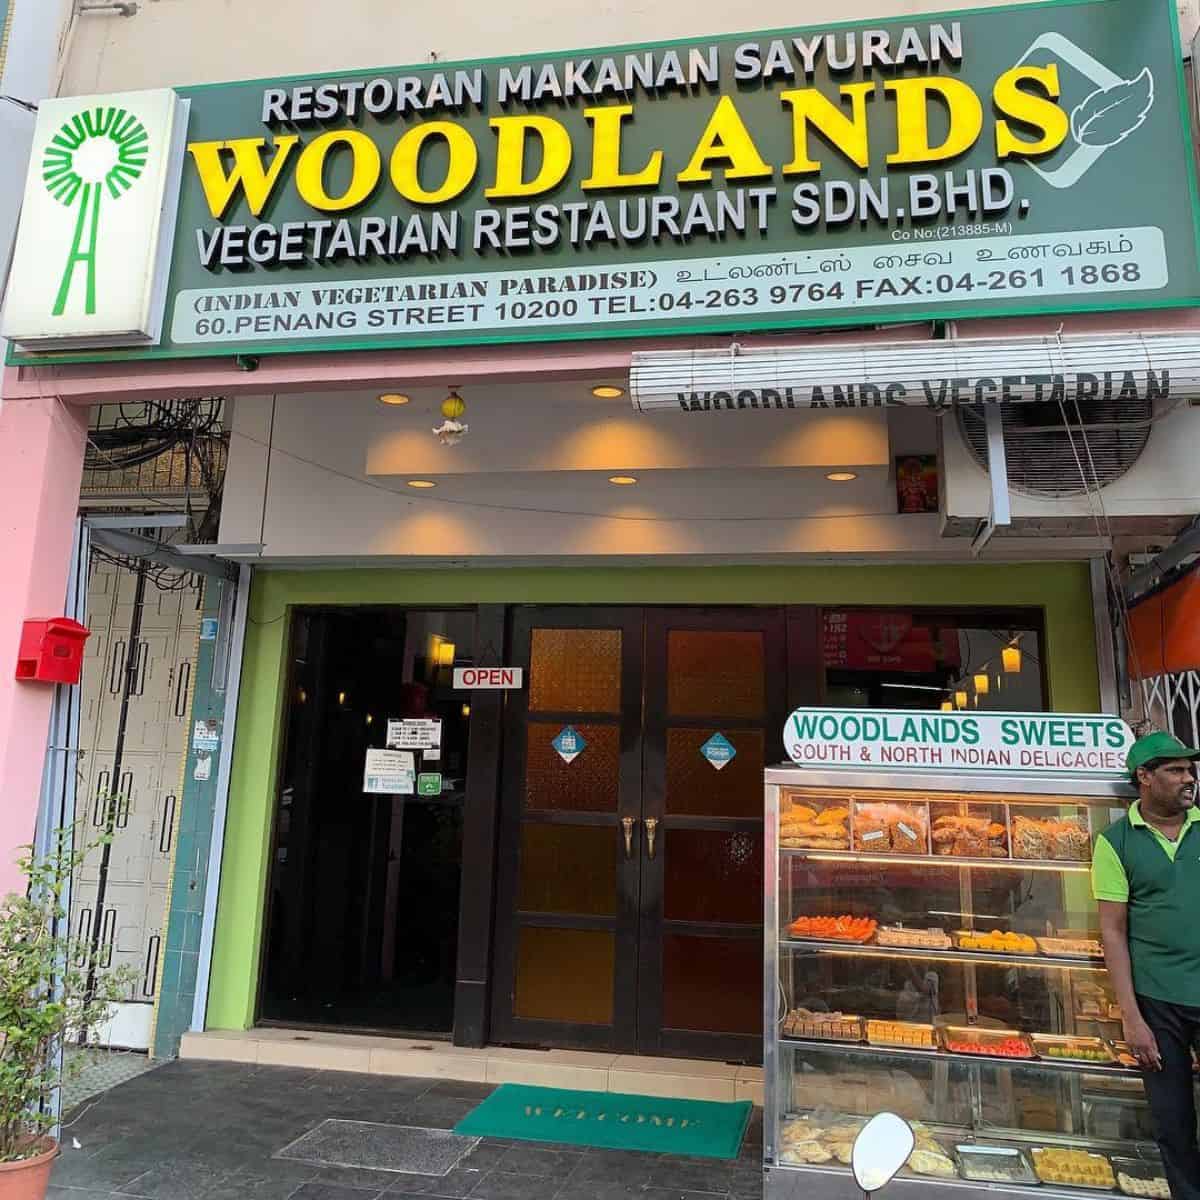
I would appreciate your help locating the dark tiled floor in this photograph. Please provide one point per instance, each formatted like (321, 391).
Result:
(208, 1131)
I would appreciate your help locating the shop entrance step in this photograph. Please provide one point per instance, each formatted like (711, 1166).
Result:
(685, 1079)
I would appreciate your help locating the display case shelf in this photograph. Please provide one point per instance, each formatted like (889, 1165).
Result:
(980, 957)
(949, 1056)
(1058, 866)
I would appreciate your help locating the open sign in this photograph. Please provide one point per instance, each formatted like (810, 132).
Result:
(489, 678)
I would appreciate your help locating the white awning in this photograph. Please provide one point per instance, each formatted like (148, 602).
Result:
(933, 374)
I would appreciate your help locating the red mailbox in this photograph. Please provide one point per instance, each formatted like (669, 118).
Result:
(52, 651)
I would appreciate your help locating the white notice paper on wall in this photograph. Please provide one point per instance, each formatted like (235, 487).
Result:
(414, 733)
(390, 773)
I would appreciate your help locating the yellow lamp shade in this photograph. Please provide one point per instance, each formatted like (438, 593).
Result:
(445, 654)
(453, 407)
(947, 706)
(1011, 657)
(983, 685)
(960, 699)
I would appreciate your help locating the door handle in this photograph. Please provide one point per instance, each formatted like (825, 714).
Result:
(651, 830)
(627, 823)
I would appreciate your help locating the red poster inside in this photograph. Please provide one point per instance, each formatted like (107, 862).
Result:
(887, 641)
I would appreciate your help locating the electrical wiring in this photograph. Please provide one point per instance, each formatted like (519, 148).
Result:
(148, 431)
(166, 579)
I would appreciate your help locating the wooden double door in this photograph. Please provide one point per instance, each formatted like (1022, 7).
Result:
(630, 881)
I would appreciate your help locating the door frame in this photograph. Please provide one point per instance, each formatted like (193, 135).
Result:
(506, 1026)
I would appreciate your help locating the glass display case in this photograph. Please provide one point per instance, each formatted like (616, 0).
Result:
(933, 950)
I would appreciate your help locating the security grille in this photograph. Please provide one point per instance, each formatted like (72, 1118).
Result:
(1108, 435)
(1173, 702)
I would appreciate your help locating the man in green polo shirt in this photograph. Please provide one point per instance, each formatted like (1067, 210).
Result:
(1146, 878)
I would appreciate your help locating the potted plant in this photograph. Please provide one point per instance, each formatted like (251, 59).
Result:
(53, 989)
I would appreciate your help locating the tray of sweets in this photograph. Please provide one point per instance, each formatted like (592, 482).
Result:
(994, 941)
(822, 1026)
(1071, 947)
(969, 830)
(1073, 1049)
(1078, 1168)
(1123, 1054)
(833, 929)
(994, 1164)
(1040, 835)
(813, 822)
(1142, 1177)
(883, 827)
(912, 939)
(904, 1035)
(986, 1043)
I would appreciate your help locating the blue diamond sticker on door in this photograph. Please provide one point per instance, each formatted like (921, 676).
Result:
(569, 744)
(718, 750)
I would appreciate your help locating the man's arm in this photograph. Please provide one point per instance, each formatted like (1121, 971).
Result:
(1114, 931)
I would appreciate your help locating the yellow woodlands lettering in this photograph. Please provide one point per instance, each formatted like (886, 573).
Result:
(1033, 111)
(606, 125)
(847, 133)
(510, 156)
(229, 167)
(912, 119)
(247, 172)
(310, 170)
(725, 140)
(460, 169)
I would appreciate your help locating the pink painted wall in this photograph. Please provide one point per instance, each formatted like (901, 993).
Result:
(41, 464)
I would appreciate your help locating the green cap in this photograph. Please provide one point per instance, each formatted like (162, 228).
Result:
(1155, 746)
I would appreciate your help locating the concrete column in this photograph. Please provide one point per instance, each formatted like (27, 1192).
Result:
(41, 464)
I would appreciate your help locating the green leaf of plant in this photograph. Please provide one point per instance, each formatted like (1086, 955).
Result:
(1109, 115)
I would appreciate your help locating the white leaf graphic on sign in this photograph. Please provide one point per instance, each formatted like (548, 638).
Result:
(1109, 115)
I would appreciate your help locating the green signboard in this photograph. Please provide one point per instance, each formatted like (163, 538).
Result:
(429, 784)
(975, 163)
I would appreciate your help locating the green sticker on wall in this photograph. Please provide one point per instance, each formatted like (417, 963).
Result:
(429, 785)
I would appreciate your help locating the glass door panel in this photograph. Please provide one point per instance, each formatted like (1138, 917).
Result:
(696, 788)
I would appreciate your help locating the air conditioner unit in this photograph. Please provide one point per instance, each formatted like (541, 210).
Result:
(1133, 465)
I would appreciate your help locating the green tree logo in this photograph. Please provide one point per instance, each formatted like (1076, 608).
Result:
(98, 150)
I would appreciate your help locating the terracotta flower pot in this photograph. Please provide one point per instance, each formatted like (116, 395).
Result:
(29, 1178)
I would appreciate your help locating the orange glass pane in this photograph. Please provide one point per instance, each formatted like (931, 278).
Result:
(711, 673)
(696, 788)
(588, 783)
(568, 869)
(575, 670)
(565, 975)
(713, 876)
(712, 984)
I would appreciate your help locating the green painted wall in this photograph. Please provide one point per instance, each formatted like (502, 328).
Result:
(1062, 590)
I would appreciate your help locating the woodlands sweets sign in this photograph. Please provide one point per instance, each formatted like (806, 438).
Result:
(890, 739)
(984, 162)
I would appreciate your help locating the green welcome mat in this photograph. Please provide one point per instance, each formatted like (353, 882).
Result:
(609, 1120)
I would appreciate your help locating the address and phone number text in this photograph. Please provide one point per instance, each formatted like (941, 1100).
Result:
(965, 269)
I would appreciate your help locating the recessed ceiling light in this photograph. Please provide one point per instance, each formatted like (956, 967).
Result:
(841, 476)
(622, 480)
(395, 398)
(421, 483)
(607, 391)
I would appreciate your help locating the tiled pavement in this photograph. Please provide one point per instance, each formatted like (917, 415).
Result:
(209, 1131)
